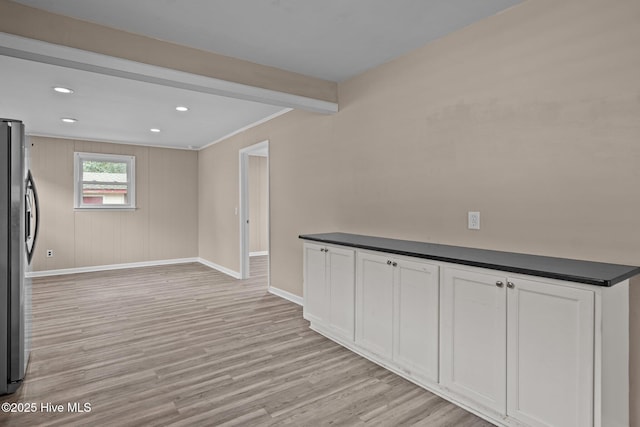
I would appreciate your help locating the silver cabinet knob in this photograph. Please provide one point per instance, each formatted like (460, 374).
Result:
(388, 262)
(510, 285)
(499, 284)
(395, 264)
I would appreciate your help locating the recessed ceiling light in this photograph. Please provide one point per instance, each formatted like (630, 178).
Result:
(182, 108)
(61, 89)
(68, 120)
(155, 130)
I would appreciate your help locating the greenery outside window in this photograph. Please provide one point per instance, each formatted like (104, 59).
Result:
(104, 181)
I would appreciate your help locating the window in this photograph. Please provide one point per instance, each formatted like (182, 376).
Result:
(104, 181)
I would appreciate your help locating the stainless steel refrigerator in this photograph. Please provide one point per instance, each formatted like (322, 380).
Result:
(18, 233)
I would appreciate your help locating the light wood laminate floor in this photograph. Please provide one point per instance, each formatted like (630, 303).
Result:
(185, 345)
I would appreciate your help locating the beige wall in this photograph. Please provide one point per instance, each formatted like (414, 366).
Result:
(164, 225)
(530, 117)
(218, 204)
(258, 187)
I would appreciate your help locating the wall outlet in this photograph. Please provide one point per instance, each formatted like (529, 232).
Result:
(49, 253)
(474, 220)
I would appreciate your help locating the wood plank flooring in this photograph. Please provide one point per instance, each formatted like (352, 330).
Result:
(185, 345)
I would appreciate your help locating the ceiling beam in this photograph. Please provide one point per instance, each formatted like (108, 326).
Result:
(37, 35)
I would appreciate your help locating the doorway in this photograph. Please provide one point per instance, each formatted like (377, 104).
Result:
(254, 207)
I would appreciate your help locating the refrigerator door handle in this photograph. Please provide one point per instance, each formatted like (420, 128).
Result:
(27, 218)
(32, 208)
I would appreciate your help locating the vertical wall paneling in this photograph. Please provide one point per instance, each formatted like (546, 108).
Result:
(258, 199)
(163, 226)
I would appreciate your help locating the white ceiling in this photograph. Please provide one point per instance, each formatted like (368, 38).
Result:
(329, 39)
(117, 109)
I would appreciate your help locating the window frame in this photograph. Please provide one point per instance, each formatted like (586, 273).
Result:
(130, 161)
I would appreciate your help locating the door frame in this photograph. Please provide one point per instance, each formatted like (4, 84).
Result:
(244, 154)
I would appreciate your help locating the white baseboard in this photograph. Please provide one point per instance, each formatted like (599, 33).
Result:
(91, 269)
(286, 295)
(225, 270)
(259, 253)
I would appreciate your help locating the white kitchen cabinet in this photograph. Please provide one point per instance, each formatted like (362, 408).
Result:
(397, 312)
(374, 303)
(550, 338)
(329, 281)
(341, 284)
(316, 294)
(521, 347)
(416, 318)
(473, 327)
(514, 348)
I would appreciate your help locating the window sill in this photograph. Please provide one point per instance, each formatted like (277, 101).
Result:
(103, 208)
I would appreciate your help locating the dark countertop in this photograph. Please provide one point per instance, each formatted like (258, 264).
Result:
(592, 273)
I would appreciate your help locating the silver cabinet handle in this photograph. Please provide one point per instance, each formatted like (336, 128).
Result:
(499, 284)
(395, 264)
(510, 285)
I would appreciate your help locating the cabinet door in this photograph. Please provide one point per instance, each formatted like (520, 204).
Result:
(341, 285)
(374, 306)
(416, 318)
(473, 357)
(550, 354)
(316, 301)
